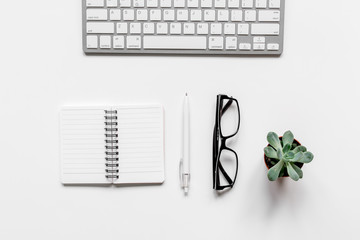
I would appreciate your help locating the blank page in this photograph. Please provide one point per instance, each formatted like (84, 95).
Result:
(83, 146)
(141, 144)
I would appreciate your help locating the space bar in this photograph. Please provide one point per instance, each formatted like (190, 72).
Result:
(174, 42)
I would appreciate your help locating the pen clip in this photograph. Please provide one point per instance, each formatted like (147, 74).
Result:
(180, 172)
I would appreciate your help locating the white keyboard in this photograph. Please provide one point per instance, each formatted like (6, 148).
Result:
(250, 27)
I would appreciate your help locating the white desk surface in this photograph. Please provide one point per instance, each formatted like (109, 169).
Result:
(312, 89)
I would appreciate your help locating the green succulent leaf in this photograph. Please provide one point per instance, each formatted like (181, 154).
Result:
(288, 138)
(299, 149)
(292, 173)
(279, 154)
(286, 148)
(298, 170)
(274, 172)
(307, 157)
(298, 156)
(270, 152)
(289, 155)
(274, 140)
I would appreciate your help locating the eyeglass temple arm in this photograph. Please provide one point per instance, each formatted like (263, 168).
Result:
(228, 179)
(226, 107)
(215, 153)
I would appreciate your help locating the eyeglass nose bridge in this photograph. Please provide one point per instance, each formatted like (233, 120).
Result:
(223, 143)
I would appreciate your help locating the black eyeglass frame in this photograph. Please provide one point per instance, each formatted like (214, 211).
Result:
(219, 137)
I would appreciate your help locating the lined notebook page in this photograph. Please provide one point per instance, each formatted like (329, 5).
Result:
(141, 144)
(83, 146)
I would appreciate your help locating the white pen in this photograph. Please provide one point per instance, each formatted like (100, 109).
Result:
(184, 168)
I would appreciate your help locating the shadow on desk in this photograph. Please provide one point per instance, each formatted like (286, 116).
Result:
(264, 198)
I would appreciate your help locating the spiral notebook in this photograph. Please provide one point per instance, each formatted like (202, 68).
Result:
(112, 145)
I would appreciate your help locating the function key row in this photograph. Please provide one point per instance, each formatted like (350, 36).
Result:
(178, 42)
(186, 3)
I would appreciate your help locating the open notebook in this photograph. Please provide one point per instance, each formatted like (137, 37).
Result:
(119, 145)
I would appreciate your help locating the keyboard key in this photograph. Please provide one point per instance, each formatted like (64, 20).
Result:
(133, 42)
(234, 3)
(243, 29)
(125, 3)
(209, 15)
(216, 28)
(206, 3)
(259, 39)
(182, 15)
(216, 43)
(139, 3)
(169, 15)
(115, 15)
(122, 28)
(250, 15)
(260, 3)
(118, 42)
(100, 27)
(91, 41)
(273, 46)
(105, 42)
(155, 15)
(195, 15)
(179, 3)
(202, 28)
(175, 28)
(274, 3)
(142, 15)
(265, 29)
(219, 3)
(165, 3)
(135, 28)
(95, 3)
(259, 46)
(111, 3)
(230, 43)
(162, 28)
(236, 15)
(174, 42)
(128, 14)
(245, 46)
(229, 29)
(223, 15)
(269, 16)
(193, 3)
(152, 3)
(189, 28)
(96, 14)
(247, 3)
(149, 28)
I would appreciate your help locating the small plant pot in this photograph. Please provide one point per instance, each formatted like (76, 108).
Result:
(269, 164)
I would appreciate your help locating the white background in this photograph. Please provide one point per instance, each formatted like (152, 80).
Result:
(312, 89)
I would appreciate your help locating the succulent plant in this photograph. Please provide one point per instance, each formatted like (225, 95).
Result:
(284, 153)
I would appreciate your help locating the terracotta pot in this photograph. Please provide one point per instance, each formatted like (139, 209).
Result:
(268, 164)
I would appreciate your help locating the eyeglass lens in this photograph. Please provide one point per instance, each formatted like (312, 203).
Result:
(229, 117)
(227, 163)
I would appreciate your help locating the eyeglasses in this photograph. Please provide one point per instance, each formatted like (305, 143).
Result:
(225, 159)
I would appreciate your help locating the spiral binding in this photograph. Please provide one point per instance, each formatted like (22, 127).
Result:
(111, 145)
